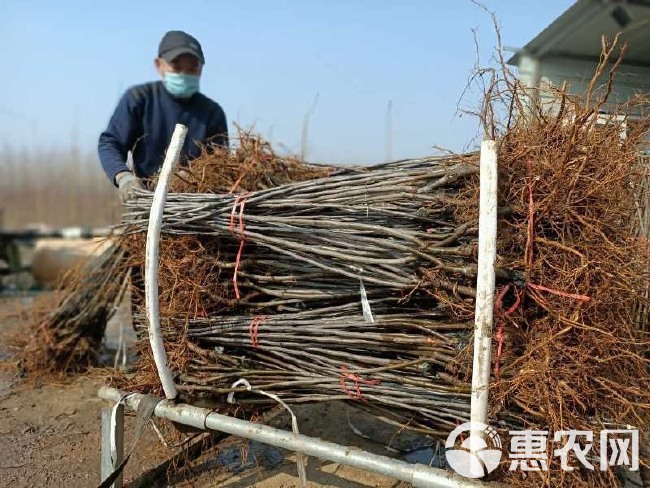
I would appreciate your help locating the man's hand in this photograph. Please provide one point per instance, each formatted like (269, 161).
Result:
(127, 183)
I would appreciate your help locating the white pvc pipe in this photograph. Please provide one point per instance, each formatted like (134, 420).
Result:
(485, 282)
(151, 261)
(419, 475)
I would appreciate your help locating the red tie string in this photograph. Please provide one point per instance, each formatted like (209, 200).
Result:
(240, 201)
(502, 314)
(253, 328)
(357, 380)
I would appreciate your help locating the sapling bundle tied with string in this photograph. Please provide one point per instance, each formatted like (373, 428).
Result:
(313, 290)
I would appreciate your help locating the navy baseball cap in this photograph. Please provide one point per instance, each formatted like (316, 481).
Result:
(174, 43)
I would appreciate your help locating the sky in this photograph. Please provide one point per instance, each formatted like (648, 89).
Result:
(376, 79)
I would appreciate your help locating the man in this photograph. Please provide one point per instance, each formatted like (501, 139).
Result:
(146, 115)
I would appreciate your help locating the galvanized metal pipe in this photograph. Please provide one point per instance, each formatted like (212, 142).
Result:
(419, 475)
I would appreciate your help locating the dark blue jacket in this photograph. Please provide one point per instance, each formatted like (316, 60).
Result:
(143, 123)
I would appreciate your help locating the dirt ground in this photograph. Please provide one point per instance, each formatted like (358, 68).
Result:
(50, 436)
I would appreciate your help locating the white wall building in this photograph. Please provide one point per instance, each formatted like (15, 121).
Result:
(568, 50)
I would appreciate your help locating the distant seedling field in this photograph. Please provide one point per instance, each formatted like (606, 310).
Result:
(56, 188)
